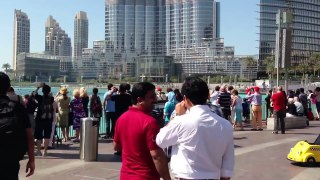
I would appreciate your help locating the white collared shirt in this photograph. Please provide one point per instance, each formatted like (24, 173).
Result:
(202, 144)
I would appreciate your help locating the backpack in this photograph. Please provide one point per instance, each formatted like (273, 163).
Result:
(45, 109)
(13, 135)
(31, 105)
(96, 106)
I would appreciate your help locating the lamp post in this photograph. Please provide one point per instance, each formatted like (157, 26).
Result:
(208, 80)
(120, 78)
(49, 79)
(36, 79)
(166, 78)
(142, 78)
(221, 78)
(81, 79)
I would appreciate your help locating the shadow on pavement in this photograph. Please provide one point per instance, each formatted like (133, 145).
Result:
(237, 146)
(53, 155)
(288, 132)
(239, 138)
(109, 158)
(70, 146)
(105, 141)
(317, 165)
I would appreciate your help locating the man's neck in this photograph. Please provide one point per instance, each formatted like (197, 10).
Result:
(140, 108)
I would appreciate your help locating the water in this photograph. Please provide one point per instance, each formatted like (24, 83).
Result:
(28, 90)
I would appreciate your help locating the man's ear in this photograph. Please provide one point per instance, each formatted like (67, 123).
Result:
(139, 99)
(188, 103)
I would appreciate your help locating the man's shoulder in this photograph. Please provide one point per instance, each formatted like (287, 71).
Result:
(224, 94)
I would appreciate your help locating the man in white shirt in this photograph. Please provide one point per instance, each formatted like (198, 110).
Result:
(299, 106)
(202, 141)
(215, 95)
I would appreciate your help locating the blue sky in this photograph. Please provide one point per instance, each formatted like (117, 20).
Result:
(238, 22)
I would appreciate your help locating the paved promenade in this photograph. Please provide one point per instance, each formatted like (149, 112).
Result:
(259, 156)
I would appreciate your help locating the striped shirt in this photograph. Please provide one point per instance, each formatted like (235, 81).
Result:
(224, 100)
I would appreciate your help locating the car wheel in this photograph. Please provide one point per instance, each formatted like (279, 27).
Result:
(311, 161)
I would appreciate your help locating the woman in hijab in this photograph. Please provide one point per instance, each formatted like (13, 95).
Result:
(169, 106)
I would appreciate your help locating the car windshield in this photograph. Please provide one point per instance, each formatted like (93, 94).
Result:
(317, 141)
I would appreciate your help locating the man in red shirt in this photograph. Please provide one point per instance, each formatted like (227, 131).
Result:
(279, 105)
(135, 135)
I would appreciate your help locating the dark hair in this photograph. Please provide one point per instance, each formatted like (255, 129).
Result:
(123, 87)
(110, 86)
(298, 91)
(140, 90)
(230, 88)
(95, 90)
(46, 89)
(217, 88)
(128, 86)
(5, 83)
(302, 90)
(169, 89)
(179, 96)
(310, 91)
(270, 91)
(196, 90)
(11, 89)
(234, 91)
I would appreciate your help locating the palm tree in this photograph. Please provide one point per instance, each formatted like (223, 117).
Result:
(269, 62)
(313, 62)
(250, 62)
(6, 67)
(303, 68)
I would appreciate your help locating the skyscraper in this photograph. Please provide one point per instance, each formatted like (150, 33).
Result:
(80, 33)
(191, 22)
(135, 26)
(57, 41)
(21, 35)
(306, 27)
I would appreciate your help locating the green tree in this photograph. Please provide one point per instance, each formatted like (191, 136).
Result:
(6, 67)
(251, 63)
(314, 63)
(303, 68)
(269, 63)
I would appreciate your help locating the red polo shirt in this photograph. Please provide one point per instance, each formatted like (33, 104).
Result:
(279, 101)
(136, 132)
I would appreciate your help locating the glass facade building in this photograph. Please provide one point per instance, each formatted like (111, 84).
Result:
(135, 26)
(306, 27)
(191, 22)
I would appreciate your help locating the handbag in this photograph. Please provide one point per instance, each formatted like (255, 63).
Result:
(70, 120)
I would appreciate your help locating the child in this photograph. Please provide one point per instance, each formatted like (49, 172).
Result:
(246, 110)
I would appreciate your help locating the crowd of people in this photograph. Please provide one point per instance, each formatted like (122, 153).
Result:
(191, 125)
(132, 121)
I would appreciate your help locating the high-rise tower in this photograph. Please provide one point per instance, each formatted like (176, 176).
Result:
(80, 33)
(135, 26)
(21, 35)
(57, 41)
(305, 28)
